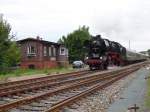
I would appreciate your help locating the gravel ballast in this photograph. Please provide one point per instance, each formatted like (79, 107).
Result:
(101, 100)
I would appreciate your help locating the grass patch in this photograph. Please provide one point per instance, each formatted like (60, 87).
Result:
(23, 72)
(147, 101)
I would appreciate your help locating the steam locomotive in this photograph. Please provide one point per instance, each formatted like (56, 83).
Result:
(103, 52)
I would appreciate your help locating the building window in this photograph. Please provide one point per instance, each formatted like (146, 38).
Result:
(31, 51)
(54, 51)
(45, 51)
(62, 51)
(50, 51)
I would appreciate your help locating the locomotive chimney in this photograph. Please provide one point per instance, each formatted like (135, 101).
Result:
(99, 36)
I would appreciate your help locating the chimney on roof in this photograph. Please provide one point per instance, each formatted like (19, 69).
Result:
(38, 38)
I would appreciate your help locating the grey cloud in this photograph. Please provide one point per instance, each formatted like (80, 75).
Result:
(130, 24)
(118, 20)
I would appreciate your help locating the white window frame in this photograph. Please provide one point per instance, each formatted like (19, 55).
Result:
(64, 53)
(54, 51)
(50, 51)
(45, 51)
(30, 52)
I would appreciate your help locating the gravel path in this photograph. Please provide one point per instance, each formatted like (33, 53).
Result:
(134, 94)
(101, 100)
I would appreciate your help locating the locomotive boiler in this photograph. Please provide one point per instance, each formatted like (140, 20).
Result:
(103, 52)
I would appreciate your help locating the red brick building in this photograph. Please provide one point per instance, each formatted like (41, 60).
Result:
(38, 53)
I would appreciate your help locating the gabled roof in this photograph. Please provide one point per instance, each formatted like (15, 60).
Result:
(38, 40)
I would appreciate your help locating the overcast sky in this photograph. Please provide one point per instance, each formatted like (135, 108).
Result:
(117, 20)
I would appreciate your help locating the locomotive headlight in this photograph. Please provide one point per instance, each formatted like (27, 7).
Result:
(87, 57)
(101, 57)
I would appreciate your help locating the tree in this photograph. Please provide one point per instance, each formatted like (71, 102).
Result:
(13, 55)
(75, 43)
(9, 52)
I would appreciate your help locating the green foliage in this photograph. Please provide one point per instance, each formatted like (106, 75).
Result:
(75, 43)
(13, 55)
(27, 72)
(9, 52)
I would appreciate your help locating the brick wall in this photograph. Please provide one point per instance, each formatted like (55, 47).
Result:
(40, 61)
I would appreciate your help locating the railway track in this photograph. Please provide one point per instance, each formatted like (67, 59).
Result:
(56, 94)
(38, 83)
(59, 76)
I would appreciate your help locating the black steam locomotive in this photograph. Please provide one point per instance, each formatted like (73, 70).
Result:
(103, 52)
